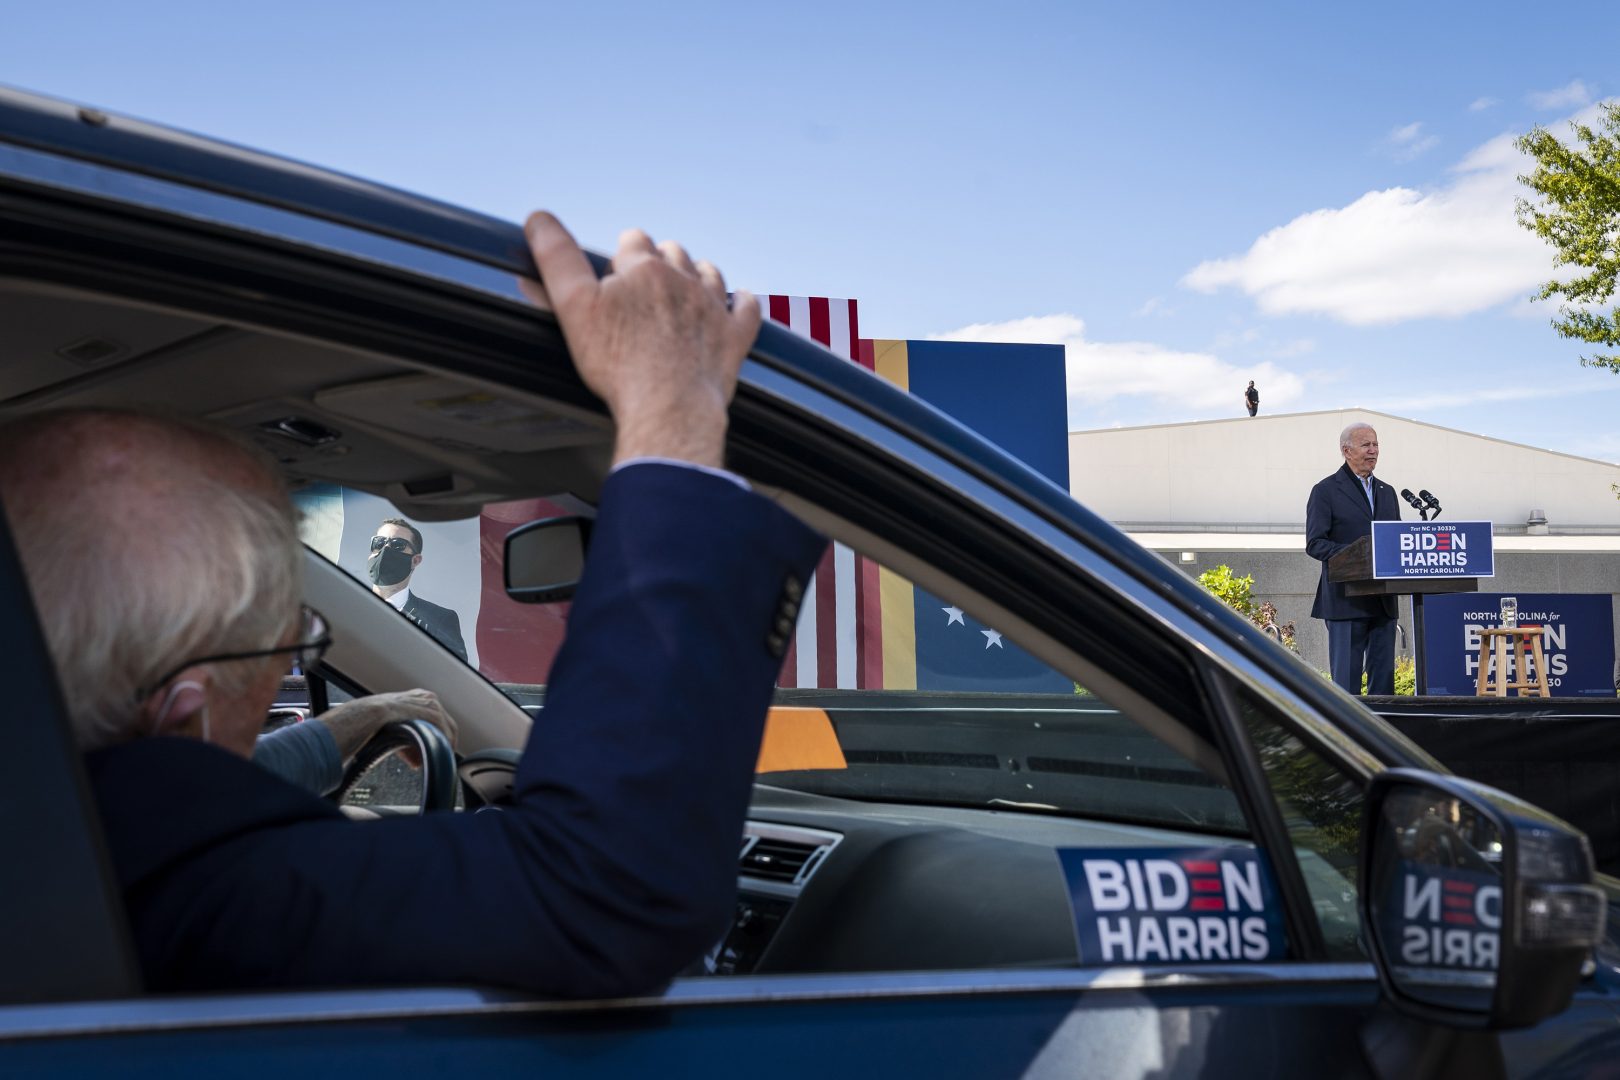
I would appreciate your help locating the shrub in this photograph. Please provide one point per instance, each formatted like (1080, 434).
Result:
(1236, 593)
(1405, 677)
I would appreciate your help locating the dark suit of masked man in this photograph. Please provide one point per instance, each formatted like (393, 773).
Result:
(396, 552)
(1341, 510)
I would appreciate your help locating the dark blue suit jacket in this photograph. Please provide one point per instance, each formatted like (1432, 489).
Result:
(442, 622)
(1336, 516)
(616, 868)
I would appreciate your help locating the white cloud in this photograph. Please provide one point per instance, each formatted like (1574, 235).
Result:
(1399, 253)
(1482, 103)
(1409, 141)
(1494, 155)
(1490, 395)
(1100, 371)
(1572, 96)
(1153, 305)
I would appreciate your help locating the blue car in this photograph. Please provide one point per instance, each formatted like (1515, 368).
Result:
(1162, 846)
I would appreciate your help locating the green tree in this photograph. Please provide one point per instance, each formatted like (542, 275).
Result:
(1578, 213)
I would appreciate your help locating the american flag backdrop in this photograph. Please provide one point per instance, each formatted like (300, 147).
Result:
(868, 628)
(839, 643)
(864, 627)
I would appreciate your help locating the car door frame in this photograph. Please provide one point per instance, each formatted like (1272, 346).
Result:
(788, 378)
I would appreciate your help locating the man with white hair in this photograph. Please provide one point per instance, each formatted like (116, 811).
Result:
(1340, 511)
(616, 864)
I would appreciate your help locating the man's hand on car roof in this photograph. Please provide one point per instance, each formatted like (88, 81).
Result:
(655, 338)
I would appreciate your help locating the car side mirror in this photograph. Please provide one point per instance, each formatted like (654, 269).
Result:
(545, 559)
(1481, 909)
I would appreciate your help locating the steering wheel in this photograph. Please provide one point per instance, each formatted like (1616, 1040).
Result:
(440, 782)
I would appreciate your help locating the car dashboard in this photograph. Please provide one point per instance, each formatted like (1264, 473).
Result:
(904, 887)
(830, 884)
(869, 869)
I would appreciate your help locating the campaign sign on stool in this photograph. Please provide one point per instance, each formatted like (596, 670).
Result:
(1578, 640)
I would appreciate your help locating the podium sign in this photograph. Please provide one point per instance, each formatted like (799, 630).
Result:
(1425, 550)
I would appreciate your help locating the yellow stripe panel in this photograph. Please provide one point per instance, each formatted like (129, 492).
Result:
(896, 596)
(899, 625)
(891, 361)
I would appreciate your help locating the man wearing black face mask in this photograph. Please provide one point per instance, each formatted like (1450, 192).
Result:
(396, 552)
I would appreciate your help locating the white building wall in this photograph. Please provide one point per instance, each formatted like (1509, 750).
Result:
(1258, 472)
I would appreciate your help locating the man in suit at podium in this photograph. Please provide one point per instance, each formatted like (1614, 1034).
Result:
(1341, 510)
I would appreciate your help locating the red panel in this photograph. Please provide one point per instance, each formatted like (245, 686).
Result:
(820, 320)
(826, 623)
(789, 675)
(516, 642)
(780, 311)
(860, 350)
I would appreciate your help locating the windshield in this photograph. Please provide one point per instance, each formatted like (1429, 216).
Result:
(887, 693)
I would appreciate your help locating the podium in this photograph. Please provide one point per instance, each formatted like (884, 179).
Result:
(1353, 568)
(1366, 571)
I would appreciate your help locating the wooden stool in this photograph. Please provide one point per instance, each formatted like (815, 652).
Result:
(1494, 682)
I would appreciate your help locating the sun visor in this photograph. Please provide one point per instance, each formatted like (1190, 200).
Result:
(459, 415)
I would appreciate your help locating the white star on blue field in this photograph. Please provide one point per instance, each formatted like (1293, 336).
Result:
(949, 656)
(953, 615)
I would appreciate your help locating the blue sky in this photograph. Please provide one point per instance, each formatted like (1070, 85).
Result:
(1317, 197)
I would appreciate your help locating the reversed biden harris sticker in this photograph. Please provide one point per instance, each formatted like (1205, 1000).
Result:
(1172, 905)
(1443, 918)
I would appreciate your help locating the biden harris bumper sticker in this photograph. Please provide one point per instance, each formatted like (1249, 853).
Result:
(1172, 905)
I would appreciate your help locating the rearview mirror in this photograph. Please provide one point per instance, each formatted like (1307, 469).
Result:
(545, 559)
(1481, 909)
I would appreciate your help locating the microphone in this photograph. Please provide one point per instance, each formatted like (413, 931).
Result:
(1434, 503)
(1412, 500)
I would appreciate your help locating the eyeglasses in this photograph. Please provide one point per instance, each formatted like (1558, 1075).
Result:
(392, 543)
(313, 641)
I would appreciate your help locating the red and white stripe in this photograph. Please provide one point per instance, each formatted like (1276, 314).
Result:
(832, 637)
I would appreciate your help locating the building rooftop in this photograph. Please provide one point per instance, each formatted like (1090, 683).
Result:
(1245, 476)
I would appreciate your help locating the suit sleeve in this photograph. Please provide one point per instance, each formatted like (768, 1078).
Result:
(452, 634)
(302, 754)
(1319, 525)
(616, 867)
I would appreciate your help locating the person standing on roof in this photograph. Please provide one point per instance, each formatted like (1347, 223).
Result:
(1251, 399)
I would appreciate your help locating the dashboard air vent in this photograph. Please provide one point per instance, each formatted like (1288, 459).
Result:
(776, 860)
